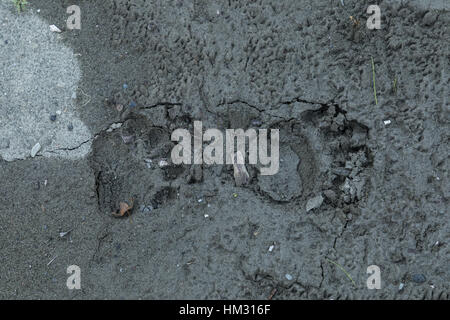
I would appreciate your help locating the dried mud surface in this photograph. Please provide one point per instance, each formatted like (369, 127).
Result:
(299, 66)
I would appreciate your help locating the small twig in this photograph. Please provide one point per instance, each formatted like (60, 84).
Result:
(272, 294)
(190, 262)
(63, 234)
(346, 273)
(395, 85)
(52, 260)
(374, 86)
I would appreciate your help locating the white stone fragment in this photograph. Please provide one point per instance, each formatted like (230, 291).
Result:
(314, 203)
(54, 28)
(163, 163)
(35, 149)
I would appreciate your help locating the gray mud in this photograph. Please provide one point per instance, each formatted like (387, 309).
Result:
(351, 189)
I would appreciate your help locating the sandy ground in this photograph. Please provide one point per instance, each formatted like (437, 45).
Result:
(379, 170)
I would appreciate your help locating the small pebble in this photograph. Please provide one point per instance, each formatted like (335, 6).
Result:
(146, 209)
(330, 195)
(314, 203)
(288, 276)
(148, 163)
(430, 18)
(53, 117)
(115, 126)
(163, 163)
(418, 278)
(256, 123)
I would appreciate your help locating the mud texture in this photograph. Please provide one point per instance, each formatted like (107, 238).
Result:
(352, 189)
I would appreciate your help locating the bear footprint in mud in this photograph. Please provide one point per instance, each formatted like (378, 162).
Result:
(323, 156)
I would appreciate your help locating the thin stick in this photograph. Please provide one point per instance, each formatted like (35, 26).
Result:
(395, 85)
(374, 86)
(272, 294)
(52, 261)
(346, 273)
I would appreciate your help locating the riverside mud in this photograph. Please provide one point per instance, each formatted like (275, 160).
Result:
(304, 68)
